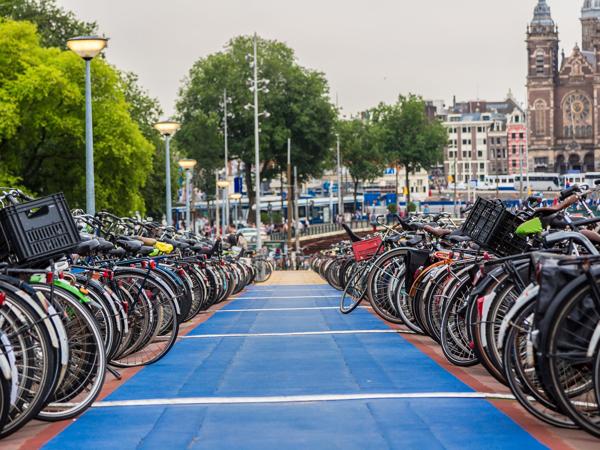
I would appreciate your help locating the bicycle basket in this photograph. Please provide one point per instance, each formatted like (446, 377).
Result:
(366, 249)
(492, 226)
(37, 230)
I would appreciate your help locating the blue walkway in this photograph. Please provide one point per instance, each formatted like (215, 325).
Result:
(265, 366)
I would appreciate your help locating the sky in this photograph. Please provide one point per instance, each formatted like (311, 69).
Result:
(369, 50)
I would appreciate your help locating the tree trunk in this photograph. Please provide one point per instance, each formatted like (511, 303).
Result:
(355, 189)
(251, 193)
(407, 185)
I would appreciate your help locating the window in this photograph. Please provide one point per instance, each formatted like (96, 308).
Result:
(520, 135)
(514, 163)
(539, 117)
(514, 135)
(539, 62)
(480, 154)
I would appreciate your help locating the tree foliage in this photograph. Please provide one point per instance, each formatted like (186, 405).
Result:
(55, 25)
(408, 137)
(360, 151)
(297, 102)
(42, 124)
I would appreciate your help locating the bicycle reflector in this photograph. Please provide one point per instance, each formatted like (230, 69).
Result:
(2, 298)
(152, 264)
(480, 303)
(49, 278)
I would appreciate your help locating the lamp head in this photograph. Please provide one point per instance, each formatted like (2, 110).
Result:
(167, 127)
(88, 47)
(237, 196)
(187, 164)
(223, 184)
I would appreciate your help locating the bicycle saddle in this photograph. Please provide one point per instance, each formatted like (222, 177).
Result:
(591, 235)
(129, 245)
(414, 241)
(145, 250)
(118, 252)
(105, 245)
(86, 248)
(457, 238)
(437, 232)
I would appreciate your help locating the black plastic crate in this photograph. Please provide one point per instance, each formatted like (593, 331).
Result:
(37, 230)
(491, 226)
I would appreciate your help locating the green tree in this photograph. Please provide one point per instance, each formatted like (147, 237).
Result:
(55, 25)
(42, 125)
(360, 152)
(408, 137)
(297, 102)
(146, 111)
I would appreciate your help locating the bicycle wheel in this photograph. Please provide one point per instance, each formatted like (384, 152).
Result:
(520, 373)
(386, 280)
(158, 327)
(87, 359)
(456, 343)
(566, 367)
(263, 269)
(355, 290)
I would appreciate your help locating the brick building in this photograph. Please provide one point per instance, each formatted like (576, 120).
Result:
(563, 94)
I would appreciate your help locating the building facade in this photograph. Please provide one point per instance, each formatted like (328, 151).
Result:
(481, 137)
(563, 94)
(516, 135)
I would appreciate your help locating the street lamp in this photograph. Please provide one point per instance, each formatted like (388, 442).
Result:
(257, 86)
(88, 47)
(224, 185)
(167, 129)
(187, 165)
(236, 197)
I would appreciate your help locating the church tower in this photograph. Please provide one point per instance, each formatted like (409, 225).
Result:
(542, 79)
(590, 24)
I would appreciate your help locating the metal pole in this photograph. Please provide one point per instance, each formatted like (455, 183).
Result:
(527, 150)
(521, 171)
(90, 195)
(296, 209)
(455, 185)
(226, 215)
(257, 147)
(331, 218)
(217, 213)
(169, 210)
(188, 215)
(339, 179)
(289, 192)
(224, 207)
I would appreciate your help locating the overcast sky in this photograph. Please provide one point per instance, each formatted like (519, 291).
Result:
(370, 50)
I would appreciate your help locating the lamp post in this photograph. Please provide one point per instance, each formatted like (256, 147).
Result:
(167, 129)
(224, 185)
(187, 165)
(339, 179)
(255, 87)
(88, 47)
(236, 197)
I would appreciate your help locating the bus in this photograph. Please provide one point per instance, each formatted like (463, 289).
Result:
(591, 177)
(569, 179)
(498, 182)
(539, 182)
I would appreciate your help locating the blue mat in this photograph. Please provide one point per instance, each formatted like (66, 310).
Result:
(294, 365)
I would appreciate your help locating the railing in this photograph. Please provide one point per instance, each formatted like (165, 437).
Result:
(320, 229)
